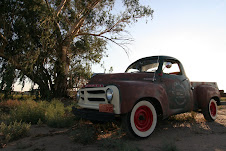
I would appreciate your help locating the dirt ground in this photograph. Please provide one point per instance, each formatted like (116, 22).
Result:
(186, 136)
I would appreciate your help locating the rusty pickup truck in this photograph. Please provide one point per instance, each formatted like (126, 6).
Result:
(151, 88)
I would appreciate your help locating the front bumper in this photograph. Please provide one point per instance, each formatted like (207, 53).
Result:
(93, 114)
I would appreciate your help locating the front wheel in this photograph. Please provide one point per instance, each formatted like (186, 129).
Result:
(142, 120)
(210, 111)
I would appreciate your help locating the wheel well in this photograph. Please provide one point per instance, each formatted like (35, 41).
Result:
(156, 104)
(216, 99)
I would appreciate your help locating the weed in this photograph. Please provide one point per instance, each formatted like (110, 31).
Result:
(6, 106)
(4, 116)
(57, 115)
(52, 113)
(14, 131)
(185, 117)
(39, 123)
(110, 129)
(223, 98)
(28, 111)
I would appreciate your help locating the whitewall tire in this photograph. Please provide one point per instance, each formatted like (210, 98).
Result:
(210, 111)
(142, 120)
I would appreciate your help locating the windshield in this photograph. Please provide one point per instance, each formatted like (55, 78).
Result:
(143, 66)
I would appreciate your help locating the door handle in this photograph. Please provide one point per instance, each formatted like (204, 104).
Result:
(185, 80)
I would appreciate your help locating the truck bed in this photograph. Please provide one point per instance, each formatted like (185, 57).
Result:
(195, 84)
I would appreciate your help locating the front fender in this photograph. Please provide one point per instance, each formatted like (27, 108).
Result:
(132, 91)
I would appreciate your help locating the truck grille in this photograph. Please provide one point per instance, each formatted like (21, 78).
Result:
(96, 92)
(93, 95)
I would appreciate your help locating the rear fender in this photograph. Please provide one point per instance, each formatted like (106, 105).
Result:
(204, 93)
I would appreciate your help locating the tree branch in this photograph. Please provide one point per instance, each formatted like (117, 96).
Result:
(110, 29)
(77, 25)
(5, 42)
(60, 7)
(47, 3)
(4, 38)
(113, 41)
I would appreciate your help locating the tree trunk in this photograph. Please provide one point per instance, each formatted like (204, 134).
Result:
(62, 69)
(45, 92)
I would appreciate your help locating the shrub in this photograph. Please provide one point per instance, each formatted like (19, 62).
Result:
(52, 113)
(6, 106)
(14, 130)
(57, 115)
(28, 111)
(4, 116)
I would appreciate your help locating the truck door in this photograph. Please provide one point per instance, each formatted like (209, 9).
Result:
(177, 86)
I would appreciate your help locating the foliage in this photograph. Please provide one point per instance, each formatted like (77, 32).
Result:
(5, 106)
(57, 115)
(7, 76)
(29, 111)
(53, 113)
(54, 43)
(14, 130)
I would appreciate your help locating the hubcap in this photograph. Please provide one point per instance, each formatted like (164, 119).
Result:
(213, 110)
(143, 118)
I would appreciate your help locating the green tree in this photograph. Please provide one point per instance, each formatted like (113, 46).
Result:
(54, 42)
(7, 76)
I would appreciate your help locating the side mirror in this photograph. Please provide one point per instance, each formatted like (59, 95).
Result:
(168, 65)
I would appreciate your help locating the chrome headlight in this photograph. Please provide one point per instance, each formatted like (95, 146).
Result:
(109, 94)
(78, 95)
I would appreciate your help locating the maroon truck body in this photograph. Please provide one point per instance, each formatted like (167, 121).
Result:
(158, 80)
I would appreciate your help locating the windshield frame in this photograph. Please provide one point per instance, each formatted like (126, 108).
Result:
(144, 62)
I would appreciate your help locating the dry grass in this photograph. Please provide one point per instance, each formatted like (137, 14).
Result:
(6, 106)
(184, 117)
(223, 99)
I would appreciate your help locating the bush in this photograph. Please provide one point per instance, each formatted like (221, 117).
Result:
(14, 131)
(6, 106)
(28, 111)
(52, 113)
(57, 115)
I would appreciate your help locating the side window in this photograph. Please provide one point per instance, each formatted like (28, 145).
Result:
(171, 68)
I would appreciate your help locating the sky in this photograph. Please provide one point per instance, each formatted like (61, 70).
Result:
(193, 31)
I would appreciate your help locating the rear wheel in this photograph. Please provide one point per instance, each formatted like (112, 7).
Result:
(210, 111)
(141, 121)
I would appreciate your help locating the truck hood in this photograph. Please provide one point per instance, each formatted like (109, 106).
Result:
(106, 79)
